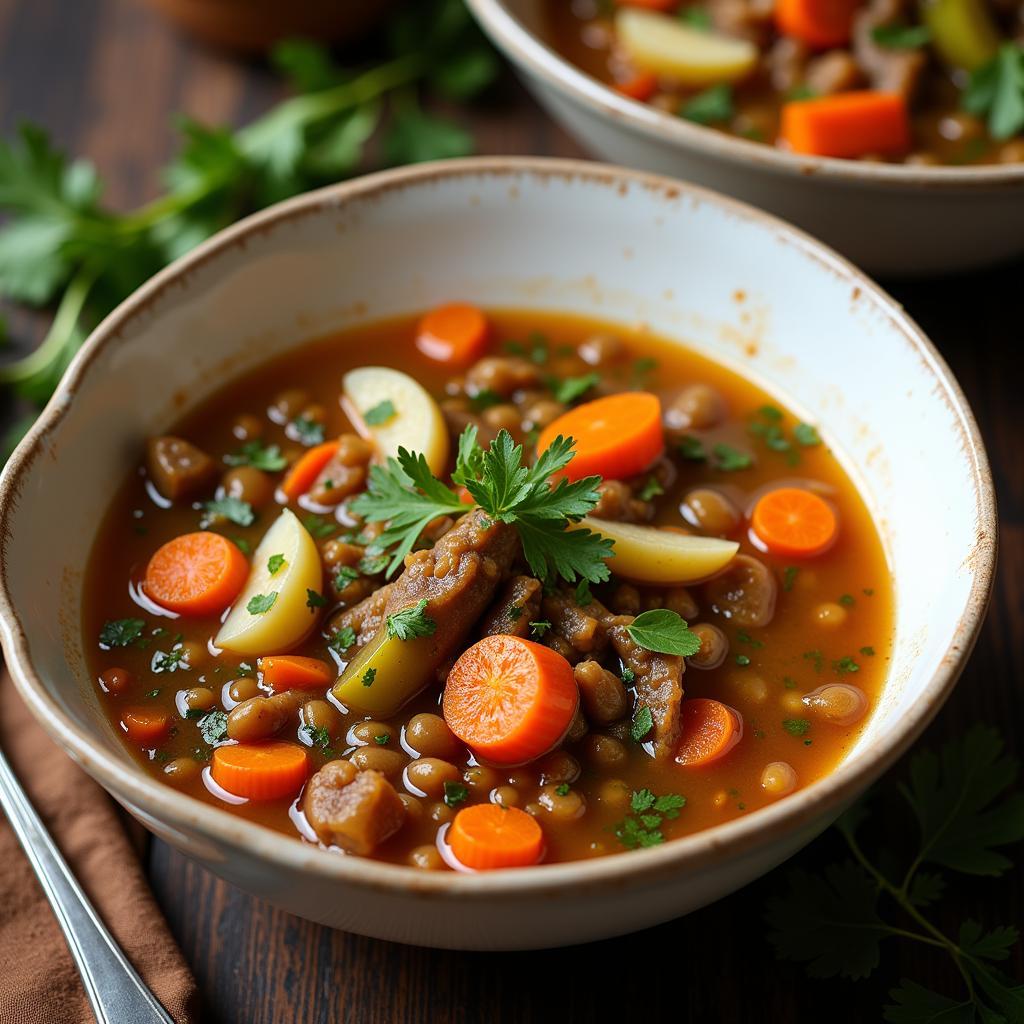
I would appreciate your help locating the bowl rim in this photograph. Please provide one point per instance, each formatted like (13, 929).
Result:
(802, 810)
(529, 51)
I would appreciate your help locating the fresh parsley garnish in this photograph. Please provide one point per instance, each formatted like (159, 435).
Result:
(342, 639)
(318, 528)
(121, 632)
(260, 604)
(901, 37)
(345, 575)
(274, 564)
(371, 565)
(568, 390)
(539, 628)
(806, 435)
(306, 431)
(651, 489)
(642, 724)
(711, 106)
(411, 623)
(455, 793)
(816, 657)
(868, 651)
(214, 727)
(174, 660)
(234, 510)
(730, 460)
(996, 92)
(835, 920)
(796, 726)
(583, 594)
(628, 676)
(847, 600)
(562, 789)
(368, 676)
(320, 738)
(314, 600)
(664, 631)
(742, 660)
(380, 413)
(253, 453)
(382, 739)
(691, 448)
(643, 827)
(483, 399)
(845, 664)
(405, 494)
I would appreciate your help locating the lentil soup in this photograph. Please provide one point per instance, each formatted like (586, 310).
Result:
(438, 672)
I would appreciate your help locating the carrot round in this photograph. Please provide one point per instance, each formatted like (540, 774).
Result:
(260, 771)
(510, 700)
(710, 729)
(487, 836)
(291, 672)
(307, 468)
(455, 334)
(196, 574)
(818, 23)
(146, 726)
(849, 124)
(642, 86)
(616, 437)
(791, 521)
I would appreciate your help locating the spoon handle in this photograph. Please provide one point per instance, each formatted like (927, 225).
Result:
(116, 992)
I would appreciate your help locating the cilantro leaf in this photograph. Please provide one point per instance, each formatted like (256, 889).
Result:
(829, 921)
(411, 623)
(664, 631)
(121, 632)
(955, 798)
(915, 1004)
(993, 945)
(232, 509)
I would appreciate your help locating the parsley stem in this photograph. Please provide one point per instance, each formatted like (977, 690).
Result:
(61, 330)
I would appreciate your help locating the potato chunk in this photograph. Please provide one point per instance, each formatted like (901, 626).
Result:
(353, 810)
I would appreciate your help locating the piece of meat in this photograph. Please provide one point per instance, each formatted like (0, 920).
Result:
(344, 474)
(365, 618)
(602, 692)
(515, 608)
(658, 679)
(502, 375)
(177, 467)
(745, 593)
(832, 72)
(618, 502)
(581, 626)
(887, 70)
(350, 809)
(746, 19)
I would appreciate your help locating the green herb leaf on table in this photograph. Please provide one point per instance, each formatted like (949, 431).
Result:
(411, 623)
(663, 631)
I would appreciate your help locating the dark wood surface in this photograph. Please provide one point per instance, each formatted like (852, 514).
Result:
(105, 76)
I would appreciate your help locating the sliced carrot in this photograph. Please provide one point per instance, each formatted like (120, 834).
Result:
(710, 729)
(307, 468)
(454, 334)
(510, 700)
(642, 86)
(616, 437)
(196, 574)
(849, 124)
(792, 521)
(487, 836)
(290, 672)
(818, 23)
(260, 771)
(146, 726)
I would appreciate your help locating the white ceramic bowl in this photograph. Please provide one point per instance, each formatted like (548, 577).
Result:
(756, 294)
(891, 219)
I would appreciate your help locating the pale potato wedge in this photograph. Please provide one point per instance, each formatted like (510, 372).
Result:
(385, 674)
(664, 45)
(649, 555)
(289, 618)
(416, 424)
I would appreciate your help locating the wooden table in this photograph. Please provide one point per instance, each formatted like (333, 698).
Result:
(104, 76)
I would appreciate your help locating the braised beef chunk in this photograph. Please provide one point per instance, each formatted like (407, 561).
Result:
(516, 607)
(365, 618)
(458, 577)
(602, 692)
(658, 679)
(345, 474)
(178, 468)
(350, 809)
(580, 626)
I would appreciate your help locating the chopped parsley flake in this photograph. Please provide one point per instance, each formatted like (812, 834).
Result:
(643, 723)
(562, 789)
(628, 675)
(214, 727)
(121, 632)
(746, 638)
(806, 435)
(368, 676)
(411, 623)
(274, 564)
(847, 600)
(692, 448)
(306, 431)
(254, 454)
(342, 639)
(320, 738)
(260, 604)
(371, 565)
(796, 726)
(314, 600)
(651, 489)
(380, 413)
(742, 659)
(174, 660)
(869, 651)
(382, 739)
(344, 576)
(234, 510)
(643, 828)
(455, 793)
(538, 629)
(568, 390)
(817, 658)
(729, 459)
(845, 664)
(789, 575)
(318, 528)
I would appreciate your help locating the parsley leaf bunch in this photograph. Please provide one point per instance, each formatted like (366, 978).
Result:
(643, 827)
(996, 92)
(406, 495)
(833, 921)
(62, 247)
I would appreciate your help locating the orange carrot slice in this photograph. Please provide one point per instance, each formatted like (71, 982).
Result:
(488, 836)
(818, 23)
(849, 124)
(710, 729)
(642, 86)
(291, 672)
(791, 521)
(196, 574)
(260, 771)
(307, 468)
(616, 437)
(146, 726)
(454, 334)
(510, 700)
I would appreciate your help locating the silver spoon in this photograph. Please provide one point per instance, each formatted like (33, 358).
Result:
(116, 992)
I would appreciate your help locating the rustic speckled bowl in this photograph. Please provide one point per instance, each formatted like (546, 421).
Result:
(734, 283)
(890, 218)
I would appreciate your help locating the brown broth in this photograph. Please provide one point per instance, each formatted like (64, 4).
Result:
(766, 691)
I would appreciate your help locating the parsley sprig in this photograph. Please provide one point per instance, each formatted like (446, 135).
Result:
(833, 920)
(643, 827)
(406, 495)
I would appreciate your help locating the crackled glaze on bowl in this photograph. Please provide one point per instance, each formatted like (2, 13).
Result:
(736, 284)
(890, 218)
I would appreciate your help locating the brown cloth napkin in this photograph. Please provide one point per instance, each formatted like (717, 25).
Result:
(39, 983)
